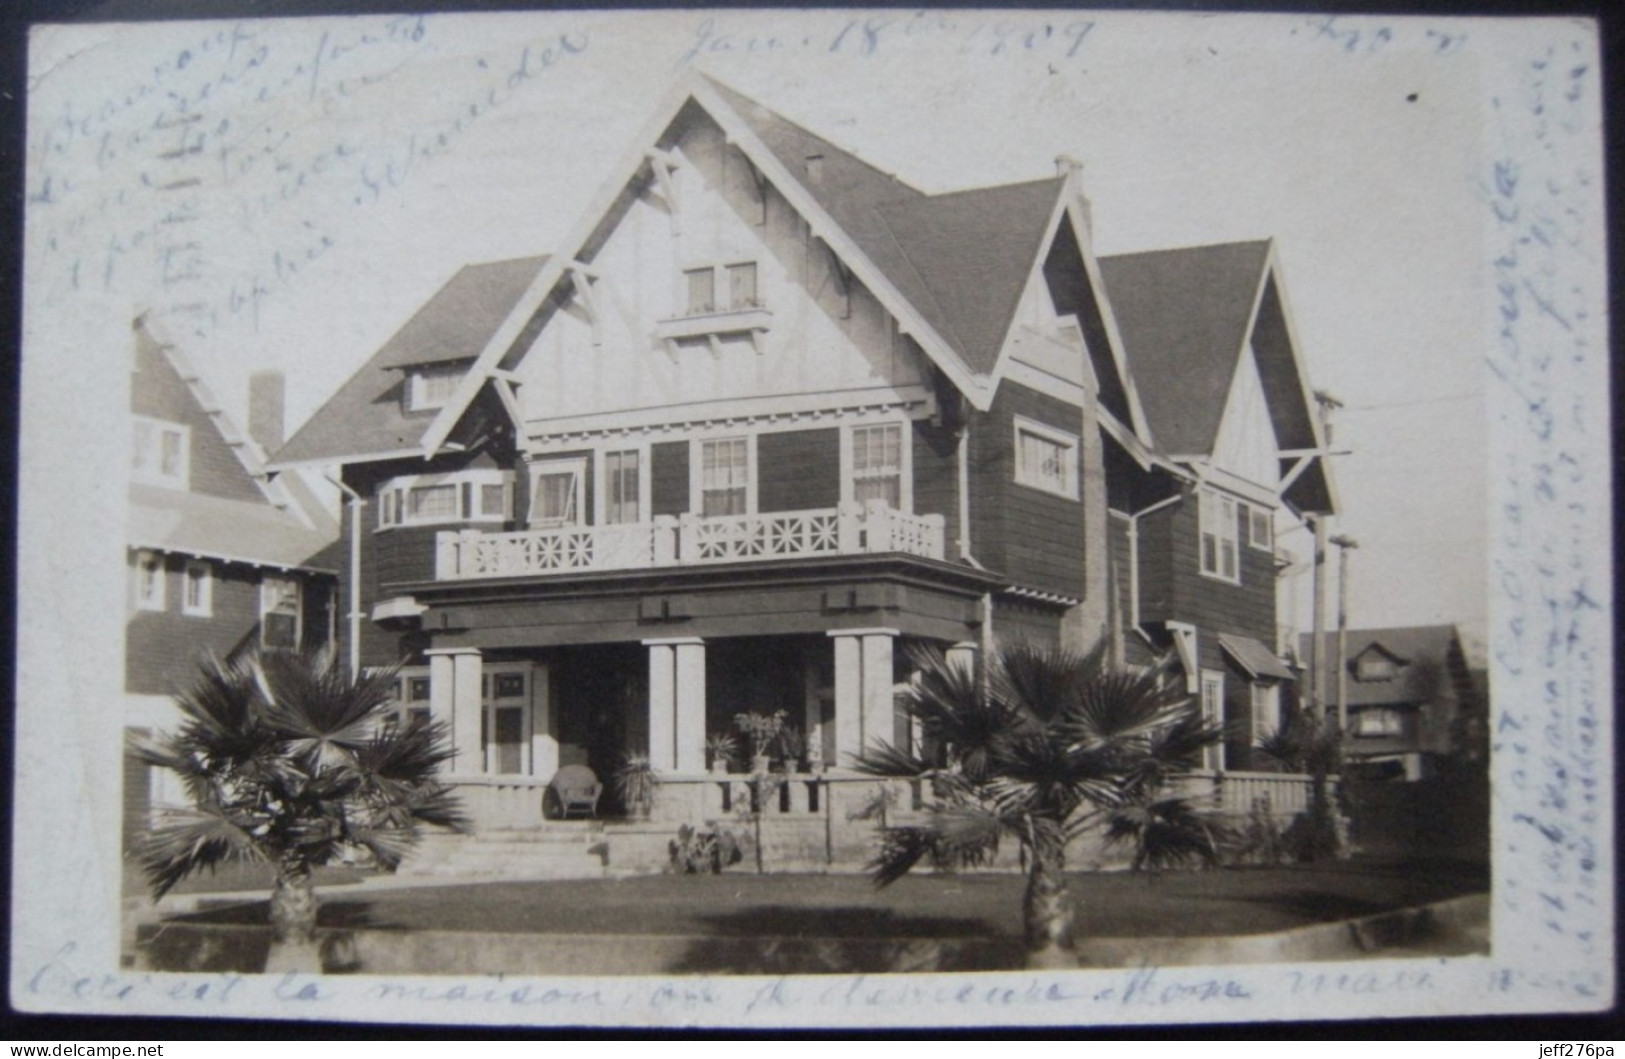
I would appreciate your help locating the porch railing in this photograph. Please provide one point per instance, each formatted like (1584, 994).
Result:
(1286, 793)
(688, 540)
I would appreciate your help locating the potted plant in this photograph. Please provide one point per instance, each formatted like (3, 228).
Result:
(762, 729)
(721, 747)
(791, 746)
(635, 783)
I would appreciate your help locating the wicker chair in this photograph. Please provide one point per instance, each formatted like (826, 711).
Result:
(576, 790)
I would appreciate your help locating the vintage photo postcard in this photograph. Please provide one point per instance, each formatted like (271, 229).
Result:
(774, 518)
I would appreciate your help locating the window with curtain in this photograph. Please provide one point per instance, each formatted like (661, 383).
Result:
(724, 477)
(877, 464)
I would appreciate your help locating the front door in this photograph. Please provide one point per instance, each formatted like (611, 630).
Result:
(506, 709)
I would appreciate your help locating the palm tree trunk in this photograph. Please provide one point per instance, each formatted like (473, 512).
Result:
(293, 920)
(1047, 909)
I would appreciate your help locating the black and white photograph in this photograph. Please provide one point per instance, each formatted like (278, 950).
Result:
(767, 518)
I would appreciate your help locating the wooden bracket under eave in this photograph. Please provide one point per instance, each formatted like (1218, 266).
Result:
(663, 163)
(582, 276)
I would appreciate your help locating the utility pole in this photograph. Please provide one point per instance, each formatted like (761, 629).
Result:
(1327, 403)
(1345, 544)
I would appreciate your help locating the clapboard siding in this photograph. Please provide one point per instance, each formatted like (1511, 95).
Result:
(668, 477)
(163, 648)
(936, 479)
(798, 470)
(1033, 537)
(1209, 603)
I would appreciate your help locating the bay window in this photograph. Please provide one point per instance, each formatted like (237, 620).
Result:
(476, 495)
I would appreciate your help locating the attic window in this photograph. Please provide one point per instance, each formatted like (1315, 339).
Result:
(1375, 666)
(159, 453)
(430, 387)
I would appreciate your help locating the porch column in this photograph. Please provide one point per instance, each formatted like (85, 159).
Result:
(677, 704)
(454, 697)
(544, 740)
(864, 714)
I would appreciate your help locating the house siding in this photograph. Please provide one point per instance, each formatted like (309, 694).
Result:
(936, 480)
(1173, 587)
(1033, 537)
(163, 649)
(213, 467)
(798, 470)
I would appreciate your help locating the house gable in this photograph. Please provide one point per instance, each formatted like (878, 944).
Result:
(1245, 446)
(713, 296)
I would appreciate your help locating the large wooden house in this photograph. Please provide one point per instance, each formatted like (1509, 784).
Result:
(770, 415)
(221, 555)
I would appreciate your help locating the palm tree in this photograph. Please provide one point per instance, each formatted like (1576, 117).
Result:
(290, 761)
(1041, 747)
(1310, 741)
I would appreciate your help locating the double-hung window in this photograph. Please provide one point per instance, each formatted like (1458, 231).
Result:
(1219, 524)
(197, 589)
(281, 612)
(149, 581)
(1046, 458)
(1266, 711)
(159, 453)
(1260, 527)
(622, 486)
(1213, 713)
(724, 477)
(1379, 721)
(877, 464)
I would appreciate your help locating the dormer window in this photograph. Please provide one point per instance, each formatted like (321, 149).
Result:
(431, 386)
(1374, 665)
(159, 453)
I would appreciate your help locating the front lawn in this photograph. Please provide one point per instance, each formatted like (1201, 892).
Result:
(1120, 904)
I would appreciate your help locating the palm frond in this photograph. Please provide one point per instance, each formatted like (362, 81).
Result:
(1167, 833)
(956, 836)
(883, 759)
(1038, 682)
(320, 713)
(947, 701)
(193, 841)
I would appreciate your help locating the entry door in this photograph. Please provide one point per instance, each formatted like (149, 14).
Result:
(506, 716)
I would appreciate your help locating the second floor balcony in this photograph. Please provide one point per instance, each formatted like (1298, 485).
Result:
(688, 540)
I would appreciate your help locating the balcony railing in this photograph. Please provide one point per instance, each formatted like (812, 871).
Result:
(688, 540)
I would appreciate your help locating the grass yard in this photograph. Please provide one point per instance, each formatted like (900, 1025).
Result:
(1220, 902)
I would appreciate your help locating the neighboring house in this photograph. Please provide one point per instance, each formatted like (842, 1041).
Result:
(1209, 338)
(1411, 699)
(220, 555)
(768, 418)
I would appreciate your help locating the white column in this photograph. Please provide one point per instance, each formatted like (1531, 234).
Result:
(690, 706)
(454, 697)
(662, 705)
(848, 698)
(863, 690)
(879, 713)
(677, 704)
(544, 740)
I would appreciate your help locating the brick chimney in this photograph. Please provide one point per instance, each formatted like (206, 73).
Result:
(265, 395)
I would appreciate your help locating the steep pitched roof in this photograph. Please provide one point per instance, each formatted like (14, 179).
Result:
(960, 258)
(973, 251)
(169, 386)
(1424, 650)
(1183, 315)
(366, 416)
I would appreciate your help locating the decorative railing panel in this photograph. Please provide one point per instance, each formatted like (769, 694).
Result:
(688, 541)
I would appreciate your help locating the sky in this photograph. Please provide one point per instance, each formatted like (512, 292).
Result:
(285, 194)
